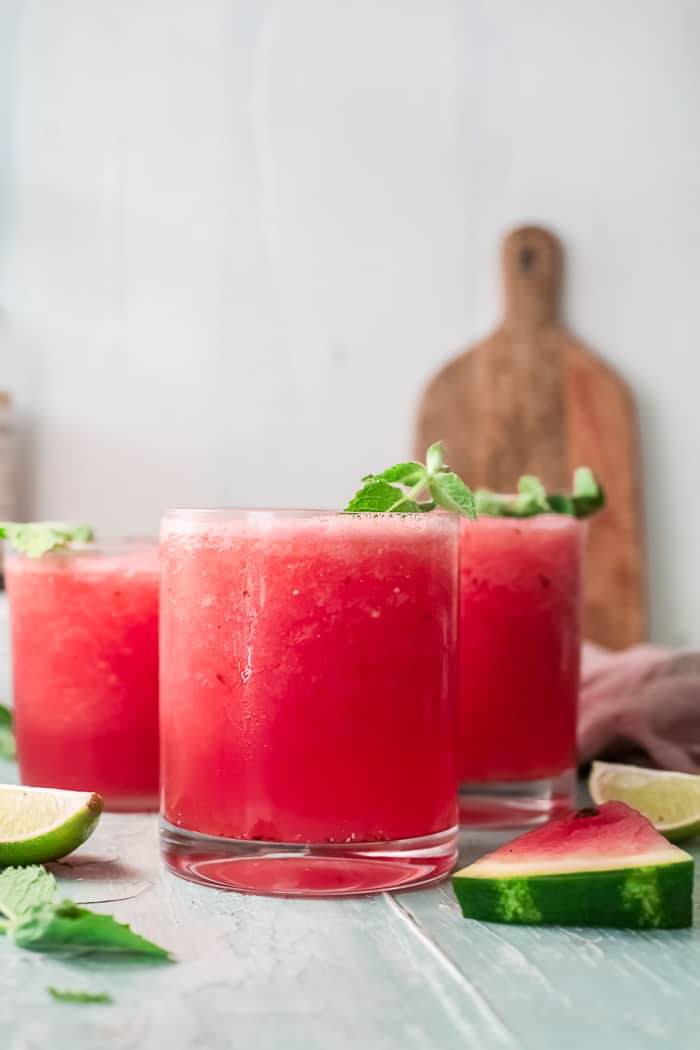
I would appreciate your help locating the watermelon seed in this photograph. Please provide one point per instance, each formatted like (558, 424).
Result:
(587, 811)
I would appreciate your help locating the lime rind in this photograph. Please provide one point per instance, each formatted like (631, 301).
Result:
(71, 817)
(670, 800)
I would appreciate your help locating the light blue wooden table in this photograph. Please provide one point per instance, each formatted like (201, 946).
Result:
(393, 972)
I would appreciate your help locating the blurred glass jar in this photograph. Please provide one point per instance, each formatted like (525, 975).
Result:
(84, 627)
(8, 463)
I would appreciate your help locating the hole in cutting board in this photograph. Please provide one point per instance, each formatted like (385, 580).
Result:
(527, 259)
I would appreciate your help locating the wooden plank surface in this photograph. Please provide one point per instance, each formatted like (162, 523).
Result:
(390, 972)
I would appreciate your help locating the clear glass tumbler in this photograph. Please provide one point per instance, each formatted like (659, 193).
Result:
(84, 626)
(519, 652)
(308, 704)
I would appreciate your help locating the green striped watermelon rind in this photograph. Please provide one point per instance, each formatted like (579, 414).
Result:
(656, 896)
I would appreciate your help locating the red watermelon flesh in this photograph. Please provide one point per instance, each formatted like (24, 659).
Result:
(609, 836)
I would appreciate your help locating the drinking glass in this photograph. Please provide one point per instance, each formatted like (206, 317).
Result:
(519, 650)
(84, 628)
(308, 704)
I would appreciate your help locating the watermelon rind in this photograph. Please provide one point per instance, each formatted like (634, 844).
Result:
(657, 897)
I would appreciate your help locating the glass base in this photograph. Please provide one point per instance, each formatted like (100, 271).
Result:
(280, 869)
(517, 803)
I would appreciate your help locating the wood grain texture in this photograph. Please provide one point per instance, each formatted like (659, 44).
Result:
(532, 399)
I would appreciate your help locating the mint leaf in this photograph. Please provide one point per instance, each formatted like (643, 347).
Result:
(37, 538)
(588, 493)
(585, 484)
(38, 922)
(22, 889)
(434, 458)
(532, 498)
(79, 997)
(7, 735)
(405, 473)
(507, 504)
(70, 929)
(449, 492)
(532, 487)
(381, 492)
(494, 503)
(379, 496)
(562, 504)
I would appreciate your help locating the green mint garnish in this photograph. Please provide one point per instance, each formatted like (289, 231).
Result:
(424, 486)
(7, 735)
(65, 927)
(532, 498)
(533, 491)
(38, 921)
(22, 889)
(588, 494)
(79, 997)
(35, 538)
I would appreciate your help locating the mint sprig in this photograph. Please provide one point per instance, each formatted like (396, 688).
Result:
(7, 735)
(67, 996)
(38, 921)
(532, 498)
(22, 889)
(35, 538)
(411, 488)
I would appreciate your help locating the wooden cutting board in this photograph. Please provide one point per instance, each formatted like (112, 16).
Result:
(532, 399)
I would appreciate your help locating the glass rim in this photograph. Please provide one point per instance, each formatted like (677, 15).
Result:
(546, 518)
(100, 547)
(213, 513)
(216, 514)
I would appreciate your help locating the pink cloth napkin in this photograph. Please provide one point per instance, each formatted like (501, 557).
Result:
(641, 705)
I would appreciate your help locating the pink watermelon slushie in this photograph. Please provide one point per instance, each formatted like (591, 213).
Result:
(84, 627)
(519, 666)
(308, 704)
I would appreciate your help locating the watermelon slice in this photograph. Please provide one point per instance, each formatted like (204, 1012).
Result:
(604, 866)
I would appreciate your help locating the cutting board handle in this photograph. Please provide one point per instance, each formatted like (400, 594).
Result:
(532, 267)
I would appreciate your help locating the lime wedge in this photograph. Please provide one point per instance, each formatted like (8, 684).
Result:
(42, 824)
(671, 801)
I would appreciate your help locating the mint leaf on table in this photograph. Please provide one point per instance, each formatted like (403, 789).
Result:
(35, 538)
(426, 486)
(7, 735)
(70, 929)
(22, 889)
(79, 997)
(36, 920)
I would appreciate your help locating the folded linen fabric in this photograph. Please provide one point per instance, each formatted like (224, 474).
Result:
(641, 705)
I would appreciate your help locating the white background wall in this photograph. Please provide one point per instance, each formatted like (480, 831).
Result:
(237, 236)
